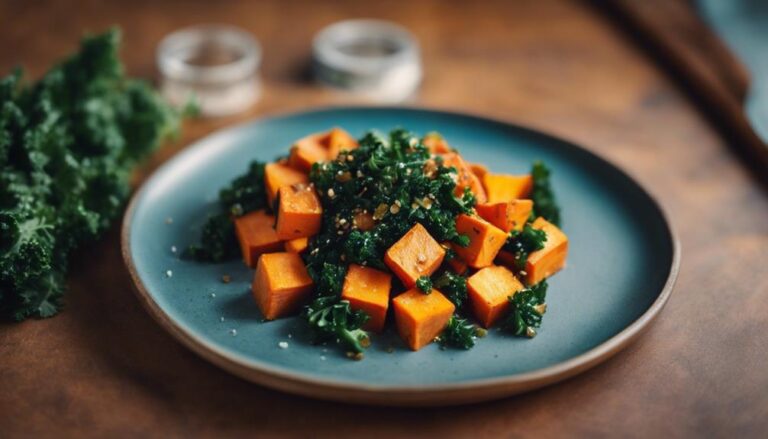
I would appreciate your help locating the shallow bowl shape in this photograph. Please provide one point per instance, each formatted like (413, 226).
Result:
(622, 264)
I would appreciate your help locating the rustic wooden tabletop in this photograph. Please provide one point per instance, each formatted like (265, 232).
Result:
(104, 368)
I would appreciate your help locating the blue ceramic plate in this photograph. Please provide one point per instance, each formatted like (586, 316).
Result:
(622, 263)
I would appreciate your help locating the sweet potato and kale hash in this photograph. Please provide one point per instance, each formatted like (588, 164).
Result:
(352, 234)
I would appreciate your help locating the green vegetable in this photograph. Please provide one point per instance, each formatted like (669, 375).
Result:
(453, 286)
(246, 193)
(458, 333)
(528, 307)
(332, 319)
(544, 203)
(68, 144)
(523, 243)
(424, 283)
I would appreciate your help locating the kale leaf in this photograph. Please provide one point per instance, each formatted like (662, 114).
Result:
(453, 286)
(68, 144)
(459, 333)
(528, 307)
(544, 203)
(522, 243)
(332, 319)
(424, 284)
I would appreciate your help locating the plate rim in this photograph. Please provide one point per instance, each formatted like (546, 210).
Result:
(473, 390)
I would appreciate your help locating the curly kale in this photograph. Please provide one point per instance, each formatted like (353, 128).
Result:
(527, 310)
(459, 333)
(544, 203)
(523, 243)
(68, 144)
(332, 319)
(246, 193)
(453, 286)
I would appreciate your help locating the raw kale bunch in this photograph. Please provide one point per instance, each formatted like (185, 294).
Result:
(68, 144)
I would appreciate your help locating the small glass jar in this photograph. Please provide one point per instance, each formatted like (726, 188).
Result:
(214, 66)
(376, 59)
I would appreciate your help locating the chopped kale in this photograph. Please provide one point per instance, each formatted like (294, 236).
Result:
(333, 320)
(459, 333)
(528, 307)
(523, 243)
(544, 203)
(453, 286)
(424, 284)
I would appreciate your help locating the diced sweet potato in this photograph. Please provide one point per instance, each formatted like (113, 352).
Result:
(500, 188)
(339, 140)
(479, 170)
(421, 317)
(436, 144)
(485, 240)
(489, 290)
(297, 245)
(507, 215)
(367, 289)
(256, 234)
(416, 254)
(549, 260)
(458, 265)
(307, 151)
(506, 259)
(465, 178)
(277, 175)
(363, 221)
(281, 284)
(299, 212)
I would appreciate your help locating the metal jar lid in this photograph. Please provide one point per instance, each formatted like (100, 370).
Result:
(376, 59)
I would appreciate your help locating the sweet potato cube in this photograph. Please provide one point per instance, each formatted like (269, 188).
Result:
(297, 245)
(416, 254)
(421, 317)
(256, 234)
(500, 188)
(436, 144)
(506, 259)
(465, 178)
(489, 290)
(458, 265)
(507, 215)
(478, 169)
(307, 151)
(367, 289)
(277, 175)
(339, 140)
(281, 284)
(299, 212)
(549, 260)
(485, 240)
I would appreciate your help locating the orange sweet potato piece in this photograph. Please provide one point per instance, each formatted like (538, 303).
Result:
(307, 151)
(339, 140)
(367, 289)
(299, 212)
(489, 290)
(436, 144)
(465, 178)
(507, 215)
(506, 259)
(485, 240)
(478, 169)
(277, 175)
(281, 284)
(256, 235)
(458, 265)
(421, 317)
(500, 188)
(416, 254)
(297, 245)
(549, 260)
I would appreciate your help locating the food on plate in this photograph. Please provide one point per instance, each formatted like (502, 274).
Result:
(391, 232)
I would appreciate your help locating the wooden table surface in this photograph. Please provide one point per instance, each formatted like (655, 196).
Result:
(104, 368)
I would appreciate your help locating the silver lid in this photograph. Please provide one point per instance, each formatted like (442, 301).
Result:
(376, 59)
